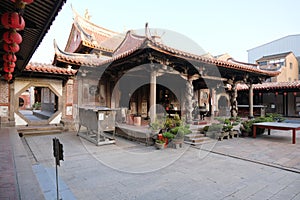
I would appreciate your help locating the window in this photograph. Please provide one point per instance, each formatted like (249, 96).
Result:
(291, 65)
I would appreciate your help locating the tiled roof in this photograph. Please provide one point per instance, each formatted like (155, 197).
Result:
(77, 58)
(271, 86)
(95, 36)
(133, 42)
(274, 56)
(49, 69)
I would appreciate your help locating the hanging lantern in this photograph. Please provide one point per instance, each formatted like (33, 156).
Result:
(12, 36)
(9, 64)
(9, 57)
(22, 3)
(9, 67)
(295, 93)
(276, 93)
(13, 20)
(8, 76)
(13, 47)
(284, 93)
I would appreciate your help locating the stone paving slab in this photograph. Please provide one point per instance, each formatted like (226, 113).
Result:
(275, 149)
(129, 170)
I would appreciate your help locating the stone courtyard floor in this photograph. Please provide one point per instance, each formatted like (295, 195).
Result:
(267, 167)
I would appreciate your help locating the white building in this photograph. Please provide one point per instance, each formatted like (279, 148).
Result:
(281, 45)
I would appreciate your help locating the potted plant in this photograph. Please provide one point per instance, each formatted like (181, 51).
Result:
(213, 130)
(168, 136)
(155, 127)
(227, 127)
(160, 144)
(179, 132)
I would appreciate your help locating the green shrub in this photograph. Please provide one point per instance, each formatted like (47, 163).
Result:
(168, 135)
(215, 127)
(180, 131)
(276, 117)
(159, 141)
(247, 126)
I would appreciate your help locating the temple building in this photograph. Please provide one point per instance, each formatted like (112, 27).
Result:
(135, 73)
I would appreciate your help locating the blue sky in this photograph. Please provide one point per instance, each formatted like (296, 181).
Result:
(218, 26)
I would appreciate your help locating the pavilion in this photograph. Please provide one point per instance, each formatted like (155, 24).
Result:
(140, 71)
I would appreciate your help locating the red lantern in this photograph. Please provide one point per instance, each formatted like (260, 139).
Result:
(22, 3)
(276, 93)
(284, 93)
(9, 57)
(12, 37)
(13, 47)
(9, 64)
(13, 20)
(8, 76)
(295, 93)
(9, 67)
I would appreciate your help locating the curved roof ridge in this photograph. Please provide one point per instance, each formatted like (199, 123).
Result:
(49, 68)
(77, 58)
(242, 63)
(131, 41)
(85, 23)
(209, 60)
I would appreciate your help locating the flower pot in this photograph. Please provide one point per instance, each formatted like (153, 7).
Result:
(160, 145)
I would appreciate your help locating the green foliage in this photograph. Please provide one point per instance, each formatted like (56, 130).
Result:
(37, 106)
(220, 119)
(205, 128)
(235, 123)
(169, 123)
(227, 122)
(156, 125)
(168, 135)
(215, 127)
(248, 124)
(276, 117)
(159, 141)
(235, 119)
(227, 128)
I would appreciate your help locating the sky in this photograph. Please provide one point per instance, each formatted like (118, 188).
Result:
(216, 26)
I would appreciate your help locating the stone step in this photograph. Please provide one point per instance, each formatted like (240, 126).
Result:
(199, 141)
(194, 135)
(196, 139)
(39, 130)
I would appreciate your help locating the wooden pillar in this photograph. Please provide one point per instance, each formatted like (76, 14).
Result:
(285, 103)
(153, 95)
(251, 101)
(213, 100)
(189, 103)
(233, 101)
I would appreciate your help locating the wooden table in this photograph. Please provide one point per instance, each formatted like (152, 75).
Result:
(278, 126)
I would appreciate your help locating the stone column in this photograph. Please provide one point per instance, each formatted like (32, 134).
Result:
(189, 102)
(153, 95)
(214, 102)
(251, 100)
(116, 96)
(233, 101)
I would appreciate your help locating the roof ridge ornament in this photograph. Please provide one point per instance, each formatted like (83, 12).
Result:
(147, 30)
